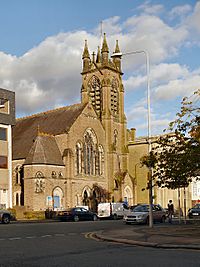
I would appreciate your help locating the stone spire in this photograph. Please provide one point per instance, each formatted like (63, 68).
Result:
(86, 51)
(86, 57)
(104, 51)
(104, 45)
(117, 58)
(117, 50)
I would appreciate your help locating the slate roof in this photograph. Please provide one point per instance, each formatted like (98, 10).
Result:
(52, 122)
(44, 151)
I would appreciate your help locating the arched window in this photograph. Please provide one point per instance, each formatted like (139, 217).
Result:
(100, 160)
(53, 174)
(95, 94)
(18, 174)
(79, 152)
(39, 182)
(114, 97)
(60, 175)
(89, 155)
(89, 152)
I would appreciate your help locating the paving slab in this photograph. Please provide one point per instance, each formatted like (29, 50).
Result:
(160, 236)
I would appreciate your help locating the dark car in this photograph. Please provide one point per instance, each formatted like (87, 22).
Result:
(5, 216)
(194, 212)
(77, 214)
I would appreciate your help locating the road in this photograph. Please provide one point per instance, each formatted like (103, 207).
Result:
(66, 244)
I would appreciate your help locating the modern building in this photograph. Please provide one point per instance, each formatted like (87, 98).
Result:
(7, 120)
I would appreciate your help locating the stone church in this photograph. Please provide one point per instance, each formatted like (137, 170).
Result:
(83, 154)
(78, 154)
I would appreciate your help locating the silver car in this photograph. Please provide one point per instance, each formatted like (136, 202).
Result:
(140, 214)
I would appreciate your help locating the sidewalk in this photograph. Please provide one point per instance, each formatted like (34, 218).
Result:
(177, 236)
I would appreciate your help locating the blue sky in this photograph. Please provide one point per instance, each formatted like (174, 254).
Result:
(42, 43)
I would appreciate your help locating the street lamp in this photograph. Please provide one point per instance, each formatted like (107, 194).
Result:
(145, 52)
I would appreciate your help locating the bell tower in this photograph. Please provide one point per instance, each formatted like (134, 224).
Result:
(102, 86)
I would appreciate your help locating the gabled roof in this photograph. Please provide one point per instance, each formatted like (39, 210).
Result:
(53, 122)
(44, 151)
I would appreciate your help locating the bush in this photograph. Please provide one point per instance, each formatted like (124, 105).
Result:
(34, 215)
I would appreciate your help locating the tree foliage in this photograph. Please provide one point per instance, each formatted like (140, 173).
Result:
(176, 157)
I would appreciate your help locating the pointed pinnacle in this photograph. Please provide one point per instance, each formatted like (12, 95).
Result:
(117, 50)
(104, 45)
(86, 52)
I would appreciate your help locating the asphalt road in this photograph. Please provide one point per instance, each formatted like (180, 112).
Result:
(67, 244)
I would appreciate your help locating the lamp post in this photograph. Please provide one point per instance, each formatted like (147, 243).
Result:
(145, 52)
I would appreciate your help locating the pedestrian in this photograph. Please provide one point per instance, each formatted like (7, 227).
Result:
(170, 210)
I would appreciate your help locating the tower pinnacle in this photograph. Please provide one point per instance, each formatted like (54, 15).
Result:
(104, 51)
(86, 57)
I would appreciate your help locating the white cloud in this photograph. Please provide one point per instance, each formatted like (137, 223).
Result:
(151, 33)
(159, 74)
(110, 26)
(148, 8)
(48, 75)
(178, 87)
(134, 82)
(193, 20)
(180, 11)
(165, 72)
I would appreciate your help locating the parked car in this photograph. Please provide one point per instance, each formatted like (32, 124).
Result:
(112, 210)
(140, 214)
(77, 214)
(194, 212)
(5, 216)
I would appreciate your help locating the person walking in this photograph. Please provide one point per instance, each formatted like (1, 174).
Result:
(170, 210)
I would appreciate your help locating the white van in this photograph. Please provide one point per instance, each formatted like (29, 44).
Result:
(112, 210)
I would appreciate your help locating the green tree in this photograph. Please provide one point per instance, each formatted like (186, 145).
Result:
(176, 157)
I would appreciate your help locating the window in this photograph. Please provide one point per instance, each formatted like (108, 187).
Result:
(4, 105)
(17, 199)
(114, 97)
(88, 149)
(53, 174)
(60, 175)
(89, 155)
(95, 94)
(39, 182)
(79, 155)
(3, 134)
(18, 174)
(3, 162)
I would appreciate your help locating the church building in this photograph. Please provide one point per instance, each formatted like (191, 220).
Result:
(84, 154)
(78, 154)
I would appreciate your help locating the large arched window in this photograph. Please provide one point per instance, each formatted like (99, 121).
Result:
(114, 98)
(89, 155)
(89, 152)
(95, 94)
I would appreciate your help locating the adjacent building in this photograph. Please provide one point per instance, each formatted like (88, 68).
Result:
(7, 120)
